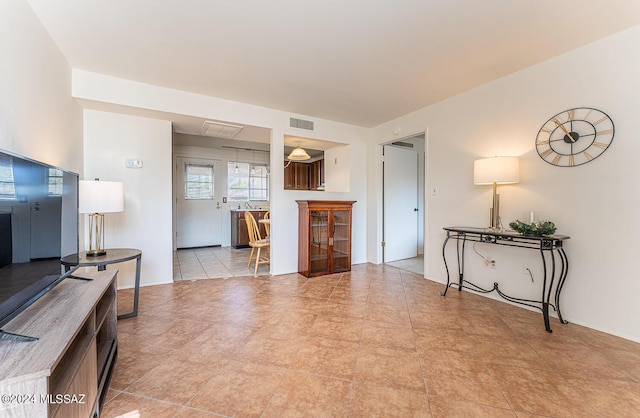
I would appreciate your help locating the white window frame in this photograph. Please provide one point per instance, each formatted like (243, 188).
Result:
(245, 176)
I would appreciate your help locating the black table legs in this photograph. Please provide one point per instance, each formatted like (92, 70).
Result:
(555, 268)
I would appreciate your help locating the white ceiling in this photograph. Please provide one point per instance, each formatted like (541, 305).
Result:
(362, 62)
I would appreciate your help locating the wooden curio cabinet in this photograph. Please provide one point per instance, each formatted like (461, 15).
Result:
(324, 236)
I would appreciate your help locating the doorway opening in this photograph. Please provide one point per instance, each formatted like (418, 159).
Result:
(403, 173)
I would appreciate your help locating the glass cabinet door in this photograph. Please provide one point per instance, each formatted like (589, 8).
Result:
(319, 241)
(341, 241)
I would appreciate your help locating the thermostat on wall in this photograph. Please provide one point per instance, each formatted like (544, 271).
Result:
(132, 163)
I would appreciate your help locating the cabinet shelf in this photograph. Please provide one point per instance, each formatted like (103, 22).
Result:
(71, 362)
(321, 222)
(75, 352)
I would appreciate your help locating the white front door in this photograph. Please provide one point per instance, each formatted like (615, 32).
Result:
(400, 195)
(198, 213)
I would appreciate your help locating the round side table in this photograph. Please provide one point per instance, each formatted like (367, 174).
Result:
(113, 256)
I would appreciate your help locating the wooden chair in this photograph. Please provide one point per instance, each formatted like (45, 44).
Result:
(267, 224)
(256, 242)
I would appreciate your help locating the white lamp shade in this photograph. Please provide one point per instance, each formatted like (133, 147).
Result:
(298, 154)
(100, 196)
(501, 170)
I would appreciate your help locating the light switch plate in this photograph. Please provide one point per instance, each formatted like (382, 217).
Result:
(133, 163)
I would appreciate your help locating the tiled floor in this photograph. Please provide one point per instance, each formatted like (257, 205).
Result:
(225, 262)
(214, 263)
(415, 264)
(378, 341)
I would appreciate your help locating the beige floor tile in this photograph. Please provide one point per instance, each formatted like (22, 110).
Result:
(608, 397)
(176, 381)
(329, 358)
(368, 400)
(441, 337)
(337, 328)
(445, 407)
(512, 351)
(186, 412)
(375, 341)
(239, 389)
(125, 403)
(134, 361)
(541, 392)
(396, 315)
(269, 351)
(342, 308)
(580, 360)
(306, 395)
(386, 335)
(458, 376)
(387, 367)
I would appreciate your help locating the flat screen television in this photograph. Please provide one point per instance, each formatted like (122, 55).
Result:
(38, 226)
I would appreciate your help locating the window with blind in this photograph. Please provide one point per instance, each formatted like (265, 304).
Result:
(248, 181)
(198, 182)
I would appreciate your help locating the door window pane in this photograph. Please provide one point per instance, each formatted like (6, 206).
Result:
(198, 182)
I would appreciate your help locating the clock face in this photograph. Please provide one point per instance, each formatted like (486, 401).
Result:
(575, 137)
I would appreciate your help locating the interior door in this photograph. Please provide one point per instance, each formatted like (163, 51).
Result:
(198, 220)
(400, 195)
(45, 215)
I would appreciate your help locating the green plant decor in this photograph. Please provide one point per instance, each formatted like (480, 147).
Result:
(540, 228)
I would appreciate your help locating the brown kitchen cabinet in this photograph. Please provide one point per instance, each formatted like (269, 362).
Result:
(289, 177)
(301, 176)
(316, 174)
(304, 176)
(296, 176)
(324, 236)
(239, 232)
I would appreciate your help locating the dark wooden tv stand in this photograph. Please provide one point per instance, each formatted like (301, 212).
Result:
(66, 372)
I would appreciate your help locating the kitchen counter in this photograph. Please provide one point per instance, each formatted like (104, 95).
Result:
(259, 208)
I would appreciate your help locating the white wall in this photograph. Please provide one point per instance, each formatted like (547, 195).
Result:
(111, 139)
(38, 117)
(596, 204)
(337, 168)
(284, 212)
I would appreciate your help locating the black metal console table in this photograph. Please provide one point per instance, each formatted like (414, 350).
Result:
(550, 247)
